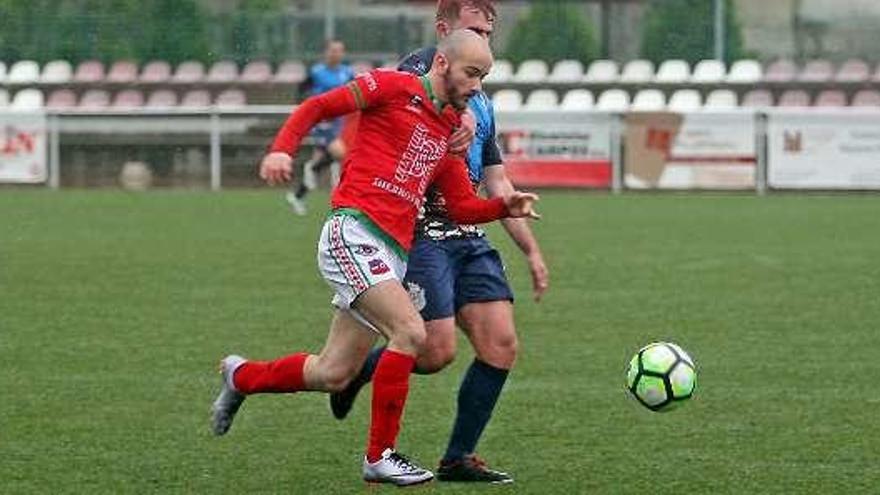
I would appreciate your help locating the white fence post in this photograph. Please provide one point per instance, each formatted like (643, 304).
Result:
(54, 153)
(761, 151)
(215, 150)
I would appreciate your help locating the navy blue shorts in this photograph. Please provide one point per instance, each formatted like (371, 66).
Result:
(443, 276)
(326, 132)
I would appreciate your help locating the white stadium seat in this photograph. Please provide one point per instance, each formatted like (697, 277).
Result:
(613, 100)
(638, 71)
(542, 99)
(602, 71)
(673, 72)
(506, 100)
(502, 71)
(567, 71)
(577, 100)
(709, 72)
(649, 100)
(685, 100)
(27, 99)
(23, 72)
(531, 71)
(57, 72)
(745, 72)
(721, 99)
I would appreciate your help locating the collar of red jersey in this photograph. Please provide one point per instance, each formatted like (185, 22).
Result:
(429, 89)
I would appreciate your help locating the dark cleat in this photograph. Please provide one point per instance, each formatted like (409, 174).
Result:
(471, 469)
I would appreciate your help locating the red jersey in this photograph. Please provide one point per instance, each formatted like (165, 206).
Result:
(400, 148)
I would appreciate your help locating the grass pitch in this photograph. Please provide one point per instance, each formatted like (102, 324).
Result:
(114, 309)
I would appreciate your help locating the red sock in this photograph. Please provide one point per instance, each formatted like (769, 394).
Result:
(278, 376)
(390, 388)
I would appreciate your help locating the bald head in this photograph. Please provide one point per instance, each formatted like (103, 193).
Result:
(466, 44)
(462, 61)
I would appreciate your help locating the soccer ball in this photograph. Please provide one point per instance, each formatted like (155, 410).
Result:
(661, 376)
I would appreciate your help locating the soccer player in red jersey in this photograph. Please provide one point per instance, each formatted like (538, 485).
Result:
(401, 148)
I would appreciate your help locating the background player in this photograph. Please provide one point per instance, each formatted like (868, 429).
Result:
(454, 274)
(400, 149)
(329, 146)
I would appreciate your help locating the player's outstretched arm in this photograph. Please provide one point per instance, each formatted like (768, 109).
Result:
(276, 168)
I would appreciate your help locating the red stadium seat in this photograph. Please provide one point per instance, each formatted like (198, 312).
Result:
(290, 72)
(61, 98)
(794, 98)
(189, 72)
(224, 71)
(128, 98)
(196, 98)
(831, 98)
(258, 71)
(782, 70)
(231, 98)
(817, 71)
(162, 98)
(123, 71)
(853, 70)
(157, 71)
(757, 98)
(866, 98)
(94, 99)
(90, 71)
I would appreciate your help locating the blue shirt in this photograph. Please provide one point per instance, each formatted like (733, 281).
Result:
(323, 78)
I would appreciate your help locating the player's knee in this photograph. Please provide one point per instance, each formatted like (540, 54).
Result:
(338, 378)
(409, 335)
(500, 350)
(435, 359)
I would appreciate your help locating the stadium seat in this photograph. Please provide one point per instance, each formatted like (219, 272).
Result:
(638, 72)
(830, 98)
(577, 100)
(196, 98)
(720, 99)
(61, 99)
(709, 72)
(57, 72)
(567, 71)
(853, 70)
(782, 70)
(157, 71)
(27, 99)
(224, 71)
(122, 71)
(649, 100)
(531, 71)
(602, 71)
(794, 98)
(257, 71)
(613, 100)
(4, 98)
(507, 100)
(866, 98)
(542, 99)
(685, 100)
(231, 98)
(161, 99)
(94, 99)
(502, 71)
(290, 72)
(816, 71)
(23, 72)
(361, 66)
(745, 72)
(128, 98)
(90, 71)
(189, 72)
(757, 98)
(673, 72)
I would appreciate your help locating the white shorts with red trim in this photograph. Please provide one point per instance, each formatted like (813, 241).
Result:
(352, 259)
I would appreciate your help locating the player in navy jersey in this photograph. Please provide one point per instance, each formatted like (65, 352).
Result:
(453, 273)
(329, 147)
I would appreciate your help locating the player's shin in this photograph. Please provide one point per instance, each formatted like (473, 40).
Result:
(283, 375)
(390, 390)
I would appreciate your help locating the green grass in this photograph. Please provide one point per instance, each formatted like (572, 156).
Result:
(114, 309)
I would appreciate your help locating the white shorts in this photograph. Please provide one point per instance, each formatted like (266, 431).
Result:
(352, 258)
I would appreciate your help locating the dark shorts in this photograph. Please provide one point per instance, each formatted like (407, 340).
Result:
(326, 132)
(443, 276)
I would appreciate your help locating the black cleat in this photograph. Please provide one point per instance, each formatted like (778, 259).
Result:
(471, 469)
(342, 402)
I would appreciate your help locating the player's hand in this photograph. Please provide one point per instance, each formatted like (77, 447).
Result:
(521, 204)
(276, 168)
(463, 136)
(540, 275)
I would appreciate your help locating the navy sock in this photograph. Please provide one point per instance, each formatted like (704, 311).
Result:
(477, 396)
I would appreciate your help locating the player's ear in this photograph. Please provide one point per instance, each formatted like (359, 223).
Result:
(442, 62)
(443, 28)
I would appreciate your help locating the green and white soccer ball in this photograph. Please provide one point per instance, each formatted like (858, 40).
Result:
(661, 376)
